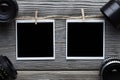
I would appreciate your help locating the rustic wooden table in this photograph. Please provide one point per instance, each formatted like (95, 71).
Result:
(60, 68)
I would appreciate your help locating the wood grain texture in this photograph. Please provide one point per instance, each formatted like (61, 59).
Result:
(58, 7)
(58, 75)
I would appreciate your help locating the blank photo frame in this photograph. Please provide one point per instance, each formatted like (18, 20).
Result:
(35, 42)
(85, 39)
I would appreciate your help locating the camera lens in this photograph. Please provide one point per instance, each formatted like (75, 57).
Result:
(111, 11)
(110, 70)
(8, 10)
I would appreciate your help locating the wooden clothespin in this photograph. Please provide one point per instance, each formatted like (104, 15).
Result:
(83, 14)
(36, 17)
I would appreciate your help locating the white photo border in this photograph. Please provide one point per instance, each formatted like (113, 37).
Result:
(36, 58)
(80, 21)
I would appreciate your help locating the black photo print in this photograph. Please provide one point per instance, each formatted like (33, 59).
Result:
(85, 39)
(35, 41)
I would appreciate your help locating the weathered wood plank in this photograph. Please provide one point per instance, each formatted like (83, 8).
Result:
(57, 7)
(58, 75)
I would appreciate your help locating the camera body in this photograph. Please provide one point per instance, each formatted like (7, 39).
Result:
(7, 70)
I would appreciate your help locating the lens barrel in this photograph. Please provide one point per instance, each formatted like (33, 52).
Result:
(111, 11)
